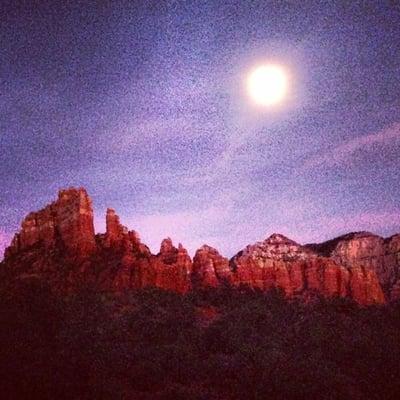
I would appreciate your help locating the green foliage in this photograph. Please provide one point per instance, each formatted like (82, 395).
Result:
(153, 344)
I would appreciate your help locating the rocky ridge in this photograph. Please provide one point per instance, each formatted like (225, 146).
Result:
(368, 251)
(58, 244)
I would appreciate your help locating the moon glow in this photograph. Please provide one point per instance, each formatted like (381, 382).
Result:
(267, 84)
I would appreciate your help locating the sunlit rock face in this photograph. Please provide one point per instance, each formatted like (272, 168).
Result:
(116, 234)
(172, 268)
(67, 222)
(392, 265)
(210, 269)
(58, 244)
(279, 262)
(264, 265)
(136, 267)
(372, 252)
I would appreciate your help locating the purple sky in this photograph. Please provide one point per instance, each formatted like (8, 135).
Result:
(144, 104)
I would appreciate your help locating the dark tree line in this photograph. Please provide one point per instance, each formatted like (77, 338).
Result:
(218, 344)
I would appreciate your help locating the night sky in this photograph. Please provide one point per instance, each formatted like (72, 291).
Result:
(144, 104)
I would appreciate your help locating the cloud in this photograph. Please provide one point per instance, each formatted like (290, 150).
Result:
(156, 129)
(343, 153)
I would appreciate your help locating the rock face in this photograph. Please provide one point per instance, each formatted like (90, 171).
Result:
(210, 269)
(116, 234)
(169, 269)
(279, 262)
(58, 244)
(369, 251)
(136, 267)
(67, 222)
(392, 266)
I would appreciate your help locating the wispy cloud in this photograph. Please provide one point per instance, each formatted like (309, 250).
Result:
(343, 153)
(156, 129)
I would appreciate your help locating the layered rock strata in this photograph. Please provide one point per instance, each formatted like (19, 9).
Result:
(58, 244)
(368, 251)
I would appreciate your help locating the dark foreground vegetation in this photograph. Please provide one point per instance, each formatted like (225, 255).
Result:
(212, 345)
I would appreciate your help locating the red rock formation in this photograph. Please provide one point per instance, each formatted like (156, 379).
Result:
(267, 264)
(170, 269)
(174, 267)
(390, 270)
(58, 244)
(74, 221)
(372, 252)
(116, 233)
(278, 262)
(168, 252)
(66, 222)
(210, 269)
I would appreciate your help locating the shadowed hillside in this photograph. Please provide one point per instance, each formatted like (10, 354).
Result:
(213, 344)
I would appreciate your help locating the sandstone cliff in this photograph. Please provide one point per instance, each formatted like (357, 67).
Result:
(368, 251)
(282, 263)
(58, 244)
(67, 222)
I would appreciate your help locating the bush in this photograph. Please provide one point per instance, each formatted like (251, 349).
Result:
(151, 345)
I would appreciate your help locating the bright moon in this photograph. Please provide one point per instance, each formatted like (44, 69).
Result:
(267, 84)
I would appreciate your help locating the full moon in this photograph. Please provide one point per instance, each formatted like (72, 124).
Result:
(267, 84)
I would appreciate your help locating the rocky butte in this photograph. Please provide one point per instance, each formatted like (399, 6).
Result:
(58, 244)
